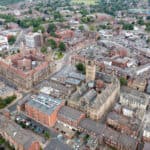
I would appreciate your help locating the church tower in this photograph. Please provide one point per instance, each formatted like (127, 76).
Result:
(90, 70)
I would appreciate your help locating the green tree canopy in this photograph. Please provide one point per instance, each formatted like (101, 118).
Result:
(51, 28)
(62, 46)
(123, 81)
(44, 49)
(147, 27)
(80, 67)
(12, 40)
(52, 43)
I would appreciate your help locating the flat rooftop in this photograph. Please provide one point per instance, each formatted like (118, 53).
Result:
(57, 145)
(70, 113)
(92, 126)
(5, 90)
(78, 76)
(44, 103)
(73, 81)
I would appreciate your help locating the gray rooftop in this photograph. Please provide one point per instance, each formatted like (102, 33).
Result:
(18, 134)
(70, 113)
(92, 126)
(5, 90)
(82, 90)
(57, 145)
(73, 81)
(135, 98)
(44, 103)
(90, 95)
(126, 141)
(78, 76)
(132, 123)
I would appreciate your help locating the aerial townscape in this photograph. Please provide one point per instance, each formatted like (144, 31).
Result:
(74, 74)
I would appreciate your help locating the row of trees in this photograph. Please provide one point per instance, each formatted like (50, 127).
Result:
(52, 43)
(127, 26)
(24, 23)
(142, 22)
(112, 6)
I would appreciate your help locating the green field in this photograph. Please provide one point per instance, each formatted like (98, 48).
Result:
(87, 2)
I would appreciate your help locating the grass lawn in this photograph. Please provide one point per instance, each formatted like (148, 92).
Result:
(58, 55)
(6, 101)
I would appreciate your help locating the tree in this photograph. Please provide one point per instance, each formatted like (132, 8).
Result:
(148, 40)
(58, 16)
(123, 81)
(81, 28)
(30, 11)
(28, 22)
(12, 40)
(40, 28)
(51, 28)
(8, 18)
(84, 12)
(86, 137)
(112, 6)
(46, 135)
(140, 21)
(128, 26)
(87, 19)
(62, 46)
(80, 67)
(52, 43)
(44, 49)
(147, 27)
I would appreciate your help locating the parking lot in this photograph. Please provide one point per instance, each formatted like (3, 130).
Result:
(30, 124)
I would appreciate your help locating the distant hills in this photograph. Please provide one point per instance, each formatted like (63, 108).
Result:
(7, 2)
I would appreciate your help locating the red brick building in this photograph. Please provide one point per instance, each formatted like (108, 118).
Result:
(122, 63)
(43, 109)
(68, 121)
(120, 141)
(121, 53)
(75, 59)
(65, 34)
(70, 116)
(26, 68)
(19, 138)
(127, 125)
